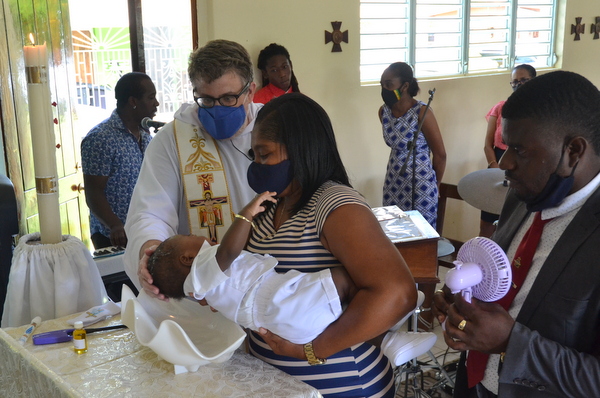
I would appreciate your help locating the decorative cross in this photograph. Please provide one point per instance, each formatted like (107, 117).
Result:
(210, 213)
(578, 29)
(596, 29)
(336, 36)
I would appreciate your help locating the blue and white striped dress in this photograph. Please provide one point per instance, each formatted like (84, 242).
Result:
(358, 371)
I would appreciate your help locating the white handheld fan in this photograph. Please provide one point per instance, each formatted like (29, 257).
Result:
(482, 271)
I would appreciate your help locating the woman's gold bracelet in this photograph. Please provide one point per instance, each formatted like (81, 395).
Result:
(245, 219)
(491, 163)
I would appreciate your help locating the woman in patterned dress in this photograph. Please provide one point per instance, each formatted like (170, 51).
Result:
(319, 222)
(400, 116)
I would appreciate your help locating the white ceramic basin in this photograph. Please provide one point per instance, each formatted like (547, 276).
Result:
(183, 333)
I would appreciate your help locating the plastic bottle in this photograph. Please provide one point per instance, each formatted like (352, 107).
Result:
(79, 338)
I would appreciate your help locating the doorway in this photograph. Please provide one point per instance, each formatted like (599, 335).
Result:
(87, 53)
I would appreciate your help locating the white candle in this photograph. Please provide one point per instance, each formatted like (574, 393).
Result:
(43, 142)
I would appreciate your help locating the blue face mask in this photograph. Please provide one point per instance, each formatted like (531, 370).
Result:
(222, 122)
(556, 189)
(273, 178)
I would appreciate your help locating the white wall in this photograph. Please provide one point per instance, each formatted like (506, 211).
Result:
(332, 79)
(582, 56)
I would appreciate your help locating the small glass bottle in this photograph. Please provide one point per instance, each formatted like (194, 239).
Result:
(79, 338)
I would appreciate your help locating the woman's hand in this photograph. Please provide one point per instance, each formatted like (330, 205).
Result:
(281, 346)
(488, 148)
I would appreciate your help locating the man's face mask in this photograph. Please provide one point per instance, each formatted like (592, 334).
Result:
(555, 191)
(222, 122)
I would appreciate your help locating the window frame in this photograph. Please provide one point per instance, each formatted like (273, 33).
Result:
(463, 60)
(136, 33)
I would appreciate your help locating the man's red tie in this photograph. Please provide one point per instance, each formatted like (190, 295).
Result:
(477, 361)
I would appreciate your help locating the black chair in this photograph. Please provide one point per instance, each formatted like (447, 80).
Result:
(9, 227)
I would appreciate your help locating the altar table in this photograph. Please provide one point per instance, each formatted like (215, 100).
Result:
(116, 365)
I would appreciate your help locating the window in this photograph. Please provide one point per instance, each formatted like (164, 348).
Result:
(107, 38)
(455, 37)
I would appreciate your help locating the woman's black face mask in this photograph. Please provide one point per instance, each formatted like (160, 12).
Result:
(390, 97)
(272, 178)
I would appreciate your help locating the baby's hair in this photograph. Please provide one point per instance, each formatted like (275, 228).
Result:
(167, 272)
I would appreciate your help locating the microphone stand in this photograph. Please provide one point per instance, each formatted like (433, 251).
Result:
(411, 150)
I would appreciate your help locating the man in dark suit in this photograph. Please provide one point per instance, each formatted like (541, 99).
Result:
(547, 342)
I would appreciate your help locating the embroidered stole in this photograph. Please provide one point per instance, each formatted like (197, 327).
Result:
(205, 186)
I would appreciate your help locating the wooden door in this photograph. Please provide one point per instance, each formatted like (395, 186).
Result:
(48, 20)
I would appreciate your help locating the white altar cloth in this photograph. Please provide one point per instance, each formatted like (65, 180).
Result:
(117, 365)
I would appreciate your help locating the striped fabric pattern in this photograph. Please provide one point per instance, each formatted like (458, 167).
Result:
(359, 371)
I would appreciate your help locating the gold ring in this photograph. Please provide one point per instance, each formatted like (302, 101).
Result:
(462, 324)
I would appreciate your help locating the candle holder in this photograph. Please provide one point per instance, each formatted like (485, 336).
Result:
(51, 280)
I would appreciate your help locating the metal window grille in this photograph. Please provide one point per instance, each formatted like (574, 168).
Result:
(455, 37)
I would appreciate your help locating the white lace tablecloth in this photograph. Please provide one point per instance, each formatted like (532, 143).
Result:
(116, 365)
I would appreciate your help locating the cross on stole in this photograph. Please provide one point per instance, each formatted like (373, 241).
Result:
(210, 212)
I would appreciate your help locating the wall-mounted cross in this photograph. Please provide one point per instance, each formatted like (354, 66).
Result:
(336, 36)
(578, 29)
(596, 28)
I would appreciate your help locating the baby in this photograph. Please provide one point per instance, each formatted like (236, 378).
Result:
(245, 288)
